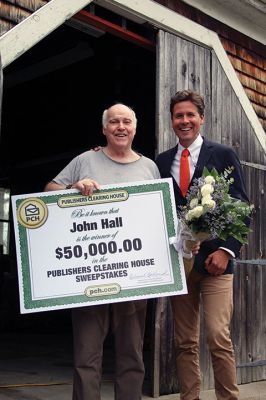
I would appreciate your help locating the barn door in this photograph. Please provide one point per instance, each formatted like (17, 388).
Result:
(182, 64)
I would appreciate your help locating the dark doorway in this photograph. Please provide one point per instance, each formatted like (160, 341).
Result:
(54, 96)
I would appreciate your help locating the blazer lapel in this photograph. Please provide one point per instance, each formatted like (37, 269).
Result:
(169, 160)
(168, 166)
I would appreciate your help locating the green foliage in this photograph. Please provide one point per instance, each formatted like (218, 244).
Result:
(213, 211)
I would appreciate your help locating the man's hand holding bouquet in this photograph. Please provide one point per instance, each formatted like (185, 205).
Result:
(211, 213)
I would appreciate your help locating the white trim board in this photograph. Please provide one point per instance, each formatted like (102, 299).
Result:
(249, 18)
(56, 12)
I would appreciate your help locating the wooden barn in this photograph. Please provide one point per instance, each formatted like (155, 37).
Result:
(64, 62)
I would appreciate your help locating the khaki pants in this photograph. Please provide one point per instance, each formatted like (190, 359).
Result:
(215, 294)
(90, 327)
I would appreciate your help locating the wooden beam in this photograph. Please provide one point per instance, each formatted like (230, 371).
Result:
(107, 26)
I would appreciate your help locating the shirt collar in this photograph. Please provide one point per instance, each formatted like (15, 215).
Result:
(194, 147)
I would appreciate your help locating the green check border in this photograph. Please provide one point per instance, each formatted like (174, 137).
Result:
(30, 304)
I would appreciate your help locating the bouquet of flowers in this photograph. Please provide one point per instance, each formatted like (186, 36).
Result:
(211, 212)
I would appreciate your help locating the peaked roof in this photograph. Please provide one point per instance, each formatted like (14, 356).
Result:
(249, 66)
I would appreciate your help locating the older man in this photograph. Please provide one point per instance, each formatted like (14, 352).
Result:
(116, 162)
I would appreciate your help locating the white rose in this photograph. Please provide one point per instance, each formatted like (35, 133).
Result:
(206, 189)
(205, 199)
(193, 203)
(195, 213)
(209, 179)
(189, 215)
(210, 203)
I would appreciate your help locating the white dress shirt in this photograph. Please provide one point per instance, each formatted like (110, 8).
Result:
(194, 150)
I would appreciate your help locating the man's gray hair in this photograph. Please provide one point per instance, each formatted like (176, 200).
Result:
(105, 115)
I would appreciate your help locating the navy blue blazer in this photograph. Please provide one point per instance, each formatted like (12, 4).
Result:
(212, 155)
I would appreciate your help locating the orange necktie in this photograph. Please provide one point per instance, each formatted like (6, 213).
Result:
(184, 172)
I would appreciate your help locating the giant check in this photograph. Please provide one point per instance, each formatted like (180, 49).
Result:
(112, 246)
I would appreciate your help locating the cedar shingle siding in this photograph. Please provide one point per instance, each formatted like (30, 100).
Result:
(12, 12)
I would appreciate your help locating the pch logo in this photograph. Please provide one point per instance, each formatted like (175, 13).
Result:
(32, 213)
